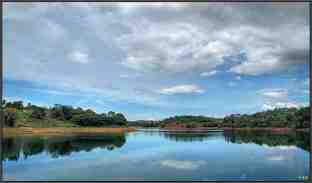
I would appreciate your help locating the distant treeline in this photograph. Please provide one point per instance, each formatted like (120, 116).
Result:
(16, 114)
(280, 117)
(144, 123)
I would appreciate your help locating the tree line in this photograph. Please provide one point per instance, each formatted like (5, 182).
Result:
(279, 117)
(13, 112)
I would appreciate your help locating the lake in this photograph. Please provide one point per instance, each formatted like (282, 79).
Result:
(142, 155)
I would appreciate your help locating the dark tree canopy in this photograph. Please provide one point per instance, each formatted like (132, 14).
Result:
(10, 116)
(60, 113)
(280, 117)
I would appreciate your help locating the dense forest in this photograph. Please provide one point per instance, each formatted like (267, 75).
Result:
(18, 115)
(280, 117)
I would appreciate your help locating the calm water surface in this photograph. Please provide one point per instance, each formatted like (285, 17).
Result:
(239, 155)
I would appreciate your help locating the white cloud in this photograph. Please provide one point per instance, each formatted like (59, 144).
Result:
(276, 158)
(159, 39)
(178, 164)
(210, 73)
(176, 47)
(146, 39)
(277, 98)
(129, 7)
(281, 147)
(79, 57)
(180, 47)
(280, 94)
(238, 78)
(270, 106)
(25, 100)
(269, 52)
(181, 89)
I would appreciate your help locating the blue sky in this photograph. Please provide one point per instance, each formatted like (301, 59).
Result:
(154, 60)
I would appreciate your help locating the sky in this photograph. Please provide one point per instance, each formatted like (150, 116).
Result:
(155, 60)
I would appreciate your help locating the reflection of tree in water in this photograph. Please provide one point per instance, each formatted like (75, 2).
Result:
(191, 136)
(266, 137)
(35, 146)
(85, 143)
(13, 147)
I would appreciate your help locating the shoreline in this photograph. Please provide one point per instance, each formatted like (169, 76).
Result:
(7, 131)
(273, 129)
(63, 131)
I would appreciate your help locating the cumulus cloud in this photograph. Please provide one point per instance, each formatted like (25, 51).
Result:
(174, 45)
(277, 98)
(271, 106)
(210, 73)
(181, 89)
(170, 48)
(179, 164)
(160, 40)
(270, 52)
(163, 40)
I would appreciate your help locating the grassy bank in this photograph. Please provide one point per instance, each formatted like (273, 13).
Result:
(62, 131)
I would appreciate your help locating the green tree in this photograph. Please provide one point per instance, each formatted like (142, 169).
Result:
(38, 113)
(303, 117)
(120, 119)
(16, 105)
(10, 116)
